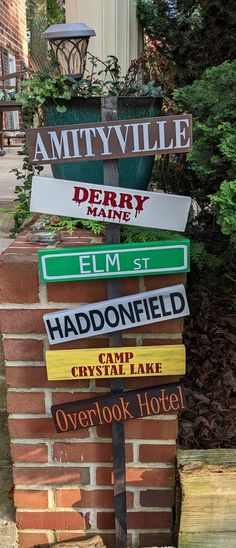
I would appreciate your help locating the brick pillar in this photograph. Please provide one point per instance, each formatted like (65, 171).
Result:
(63, 483)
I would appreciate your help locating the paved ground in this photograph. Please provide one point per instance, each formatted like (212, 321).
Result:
(8, 181)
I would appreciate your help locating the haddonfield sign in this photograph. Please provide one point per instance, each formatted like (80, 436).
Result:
(143, 361)
(161, 400)
(109, 204)
(111, 261)
(116, 314)
(108, 140)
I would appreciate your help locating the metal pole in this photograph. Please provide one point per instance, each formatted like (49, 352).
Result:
(114, 290)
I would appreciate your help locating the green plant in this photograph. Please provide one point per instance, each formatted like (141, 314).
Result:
(192, 35)
(224, 202)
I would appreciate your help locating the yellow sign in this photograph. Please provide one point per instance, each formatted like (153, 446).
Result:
(141, 361)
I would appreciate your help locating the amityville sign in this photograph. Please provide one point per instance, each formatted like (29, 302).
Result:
(116, 314)
(102, 363)
(119, 407)
(109, 204)
(108, 140)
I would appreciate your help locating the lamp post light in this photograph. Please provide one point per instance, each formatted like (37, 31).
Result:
(69, 43)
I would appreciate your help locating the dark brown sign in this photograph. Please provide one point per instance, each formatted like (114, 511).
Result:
(108, 140)
(118, 407)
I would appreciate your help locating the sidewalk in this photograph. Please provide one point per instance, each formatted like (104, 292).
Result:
(8, 181)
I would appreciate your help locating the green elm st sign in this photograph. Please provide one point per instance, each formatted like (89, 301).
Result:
(112, 261)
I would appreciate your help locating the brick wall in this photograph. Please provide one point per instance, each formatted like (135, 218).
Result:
(63, 483)
(13, 28)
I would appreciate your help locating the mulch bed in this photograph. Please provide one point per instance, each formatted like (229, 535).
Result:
(210, 338)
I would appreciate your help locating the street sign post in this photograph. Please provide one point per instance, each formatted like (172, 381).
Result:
(119, 407)
(109, 204)
(110, 139)
(117, 314)
(103, 363)
(88, 263)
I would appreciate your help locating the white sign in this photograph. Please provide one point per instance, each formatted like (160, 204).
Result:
(109, 204)
(117, 314)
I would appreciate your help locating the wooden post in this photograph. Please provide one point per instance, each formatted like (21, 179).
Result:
(114, 290)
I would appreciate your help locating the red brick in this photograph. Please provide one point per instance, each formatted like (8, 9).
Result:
(30, 499)
(19, 279)
(65, 397)
(153, 429)
(157, 498)
(29, 452)
(87, 452)
(22, 320)
(136, 382)
(30, 540)
(36, 377)
(89, 291)
(25, 402)
(97, 498)
(49, 520)
(166, 326)
(157, 453)
(137, 520)
(142, 477)
(155, 539)
(51, 476)
(39, 428)
(23, 349)
(90, 342)
(165, 280)
(149, 381)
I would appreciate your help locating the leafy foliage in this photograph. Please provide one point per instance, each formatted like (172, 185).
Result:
(225, 203)
(192, 34)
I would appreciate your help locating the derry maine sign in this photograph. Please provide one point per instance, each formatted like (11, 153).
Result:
(116, 314)
(119, 407)
(111, 261)
(109, 204)
(109, 140)
(134, 361)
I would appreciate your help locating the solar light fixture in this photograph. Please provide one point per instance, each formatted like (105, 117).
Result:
(69, 42)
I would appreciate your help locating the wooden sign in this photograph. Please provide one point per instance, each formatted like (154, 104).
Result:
(113, 261)
(109, 204)
(143, 361)
(116, 314)
(119, 407)
(109, 140)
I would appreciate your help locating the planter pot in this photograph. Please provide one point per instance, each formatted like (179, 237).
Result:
(208, 493)
(133, 172)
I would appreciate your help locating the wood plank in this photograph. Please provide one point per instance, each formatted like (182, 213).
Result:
(117, 362)
(109, 204)
(207, 540)
(208, 486)
(195, 458)
(110, 140)
(209, 501)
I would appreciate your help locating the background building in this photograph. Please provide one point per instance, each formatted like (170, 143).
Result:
(116, 25)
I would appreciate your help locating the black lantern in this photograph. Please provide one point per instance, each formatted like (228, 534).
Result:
(69, 43)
